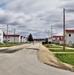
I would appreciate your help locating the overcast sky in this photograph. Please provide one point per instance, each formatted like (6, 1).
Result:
(36, 16)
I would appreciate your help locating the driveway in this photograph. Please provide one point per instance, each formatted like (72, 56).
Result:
(25, 62)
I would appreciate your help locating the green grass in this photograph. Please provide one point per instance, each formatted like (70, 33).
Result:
(57, 48)
(67, 58)
(10, 44)
(61, 50)
(52, 46)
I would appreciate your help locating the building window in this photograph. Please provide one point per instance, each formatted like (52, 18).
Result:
(69, 35)
(8, 40)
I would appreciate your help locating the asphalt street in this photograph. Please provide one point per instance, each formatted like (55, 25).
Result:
(25, 62)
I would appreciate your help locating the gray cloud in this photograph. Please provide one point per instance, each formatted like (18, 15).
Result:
(67, 0)
(34, 16)
(69, 6)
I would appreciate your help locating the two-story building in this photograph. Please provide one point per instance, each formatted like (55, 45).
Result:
(56, 39)
(12, 38)
(22, 39)
(1, 35)
(69, 37)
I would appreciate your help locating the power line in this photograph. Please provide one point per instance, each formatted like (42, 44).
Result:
(59, 19)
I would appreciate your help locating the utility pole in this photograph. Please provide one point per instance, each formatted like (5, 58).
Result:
(7, 34)
(48, 34)
(51, 34)
(64, 29)
(14, 35)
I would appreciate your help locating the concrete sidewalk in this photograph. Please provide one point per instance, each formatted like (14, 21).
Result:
(63, 52)
(61, 47)
(13, 47)
(49, 58)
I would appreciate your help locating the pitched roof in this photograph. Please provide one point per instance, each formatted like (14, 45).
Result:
(70, 31)
(56, 37)
(11, 35)
(60, 37)
(21, 36)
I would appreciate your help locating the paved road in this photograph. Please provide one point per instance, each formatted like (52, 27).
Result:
(25, 62)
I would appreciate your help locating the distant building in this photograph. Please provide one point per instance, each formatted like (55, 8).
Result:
(12, 38)
(1, 35)
(56, 39)
(69, 37)
(39, 40)
(23, 39)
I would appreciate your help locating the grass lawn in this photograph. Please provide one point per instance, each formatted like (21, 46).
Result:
(67, 58)
(57, 48)
(61, 50)
(52, 46)
(10, 44)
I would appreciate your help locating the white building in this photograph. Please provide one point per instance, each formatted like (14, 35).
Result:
(24, 39)
(12, 38)
(1, 35)
(69, 37)
(56, 39)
